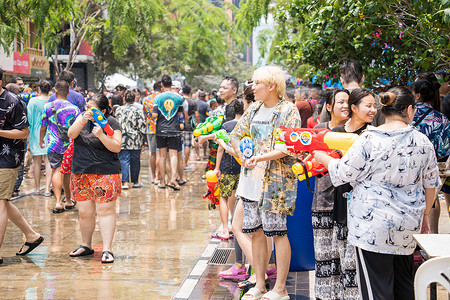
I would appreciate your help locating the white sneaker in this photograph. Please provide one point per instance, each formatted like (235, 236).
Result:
(137, 185)
(125, 187)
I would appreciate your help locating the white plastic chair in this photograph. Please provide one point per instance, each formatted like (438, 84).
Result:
(433, 270)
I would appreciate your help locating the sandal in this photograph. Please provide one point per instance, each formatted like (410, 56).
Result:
(233, 273)
(253, 293)
(58, 210)
(106, 257)
(274, 296)
(86, 251)
(247, 284)
(71, 206)
(31, 246)
(272, 273)
(180, 183)
(162, 186)
(173, 186)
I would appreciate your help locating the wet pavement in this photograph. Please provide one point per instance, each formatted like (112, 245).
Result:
(162, 248)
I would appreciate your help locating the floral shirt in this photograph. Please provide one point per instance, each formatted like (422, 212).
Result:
(132, 121)
(148, 108)
(435, 126)
(389, 170)
(280, 183)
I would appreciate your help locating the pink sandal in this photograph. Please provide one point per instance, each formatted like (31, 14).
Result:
(272, 273)
(235, 274)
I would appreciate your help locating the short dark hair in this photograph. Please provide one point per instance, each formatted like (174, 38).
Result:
(1, 74)
(166, 81)
(186, 89)
(290, 90)
(62, 87)
(45, 86)
(351, 71)
(15, 79)
(239, 107)
(355, 98)
(66, 76)
(116, 99)
(396, 100)
(128, 96)
(233, 81)
(157, 86)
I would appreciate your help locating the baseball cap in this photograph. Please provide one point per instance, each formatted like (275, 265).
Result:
(201, 94)
(121, 86)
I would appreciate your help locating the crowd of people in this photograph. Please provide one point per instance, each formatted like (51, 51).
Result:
(381, 192)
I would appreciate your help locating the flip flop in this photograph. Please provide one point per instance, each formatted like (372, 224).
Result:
(182, 183)
(174, 187)
(47, 194)
(235, 273)
(107, 254)
(252, 294)
(31, 246)
(1, 261)
(246, 284)
(58, 210)
(162, 186)
(36, 194)
(221, 237)
(86, 251)
(274, 296)
(71, 206)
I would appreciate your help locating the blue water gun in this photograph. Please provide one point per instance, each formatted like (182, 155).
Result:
(101, 120)
(246, 146)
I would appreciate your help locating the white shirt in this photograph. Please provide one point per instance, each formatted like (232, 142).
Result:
(389, 170)
(251, 180)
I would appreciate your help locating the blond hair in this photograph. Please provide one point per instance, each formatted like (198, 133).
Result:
(269, 75)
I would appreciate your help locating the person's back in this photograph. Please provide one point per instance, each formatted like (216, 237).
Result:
(167, 105)
(192, 108)
(73, 97)
(203, 108)
(34, 114)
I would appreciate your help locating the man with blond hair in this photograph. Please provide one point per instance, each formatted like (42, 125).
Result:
(267, 185)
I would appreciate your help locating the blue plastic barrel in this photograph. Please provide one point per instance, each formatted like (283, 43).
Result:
(300, 230)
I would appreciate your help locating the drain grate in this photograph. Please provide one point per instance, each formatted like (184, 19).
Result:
(220, 256)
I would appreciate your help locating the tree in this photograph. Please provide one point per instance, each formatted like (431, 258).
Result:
(393, 39)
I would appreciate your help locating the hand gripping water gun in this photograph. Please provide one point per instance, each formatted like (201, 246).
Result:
(223, 135)
(211, 124)
(213, 189)
(101, 120)
(298, 140)
(246, 146)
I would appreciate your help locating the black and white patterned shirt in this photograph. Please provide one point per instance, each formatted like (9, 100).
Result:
(12, 116)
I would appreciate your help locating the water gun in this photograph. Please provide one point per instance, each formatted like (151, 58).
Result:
(223, 135)
(211, 125)
(213, 189)
(27, 96)
(246, 146)
(101, 120)
(299, 140)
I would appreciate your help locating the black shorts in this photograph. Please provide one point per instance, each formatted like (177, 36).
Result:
(171, 142)
(55, 159)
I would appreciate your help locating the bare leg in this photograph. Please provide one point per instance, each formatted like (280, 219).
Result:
(57, 183)
(173, 165)
(260, 254)
(245, 241)
(162, 165)
(66, 183)
(48, 174)
(153, 165)
(447, 201)
(434, 217)
(37, 161)
(283, 249)
(107, 221)
(16, 217)
(180, 166)
(86, 210)
(187, 153)
(3, 219)
(223, 207)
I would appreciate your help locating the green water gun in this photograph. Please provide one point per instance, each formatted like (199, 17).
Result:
(211, 124)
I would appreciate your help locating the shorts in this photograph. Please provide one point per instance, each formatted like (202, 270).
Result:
(187, 139)
(446, 186)
(55, 159)
(171, 142)
(151, 142)
(7, 181)
(227, 184)
(96, 187)
(66, 166)
(255, 218)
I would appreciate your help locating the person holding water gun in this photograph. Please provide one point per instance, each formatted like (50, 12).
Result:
(269, 179)
(96, 175)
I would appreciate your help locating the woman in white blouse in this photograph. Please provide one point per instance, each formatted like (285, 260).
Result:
(394, 173)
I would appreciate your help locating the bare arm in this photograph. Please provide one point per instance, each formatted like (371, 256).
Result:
(114, 143)
(197, 116)
(218, 160)
(272, 155)
(80, 122)
(42, 133)
(15, 134)
(430, 194)
(322, 158)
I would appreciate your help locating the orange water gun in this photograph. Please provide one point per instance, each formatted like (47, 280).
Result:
(213, 189)
(303, 142)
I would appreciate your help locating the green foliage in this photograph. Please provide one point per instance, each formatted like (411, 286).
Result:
(393, 39)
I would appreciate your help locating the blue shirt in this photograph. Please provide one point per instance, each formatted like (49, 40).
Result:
(73, 97)
(435, 126)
